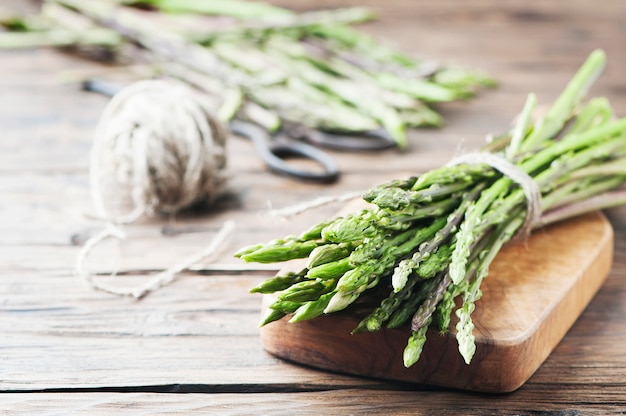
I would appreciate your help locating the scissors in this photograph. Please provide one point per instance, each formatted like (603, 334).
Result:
(290, 141)
(300, 142)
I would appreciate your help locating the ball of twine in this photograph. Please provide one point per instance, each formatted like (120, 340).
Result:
(159, 148)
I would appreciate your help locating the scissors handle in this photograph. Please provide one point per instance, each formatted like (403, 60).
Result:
(275, 152)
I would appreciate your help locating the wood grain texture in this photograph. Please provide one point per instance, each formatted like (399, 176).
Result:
(199, 334)
(561, 402)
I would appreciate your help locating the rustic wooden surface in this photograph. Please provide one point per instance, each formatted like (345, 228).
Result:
(199, 335)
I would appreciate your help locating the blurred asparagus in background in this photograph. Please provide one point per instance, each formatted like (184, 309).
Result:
(310, 68)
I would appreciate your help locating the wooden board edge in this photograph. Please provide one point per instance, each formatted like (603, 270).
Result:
(525, 355)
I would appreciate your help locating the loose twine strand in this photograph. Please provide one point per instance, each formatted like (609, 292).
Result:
(160, 279)
(291, 210)
(158, 148)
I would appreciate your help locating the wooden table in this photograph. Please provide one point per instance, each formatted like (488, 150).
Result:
(68, 349)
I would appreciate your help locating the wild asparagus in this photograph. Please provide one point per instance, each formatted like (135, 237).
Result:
(430, 239)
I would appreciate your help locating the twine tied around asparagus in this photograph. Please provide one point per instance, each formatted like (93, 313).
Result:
(158, 148)
(525, 181)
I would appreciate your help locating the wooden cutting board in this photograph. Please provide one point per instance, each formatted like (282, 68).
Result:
(535, 291)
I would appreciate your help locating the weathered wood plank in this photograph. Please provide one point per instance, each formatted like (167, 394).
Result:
(538, 400)
(202, 330)
(199, 334)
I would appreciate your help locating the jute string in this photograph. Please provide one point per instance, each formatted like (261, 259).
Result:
(517, 175)
(291, 210)
(158, 148)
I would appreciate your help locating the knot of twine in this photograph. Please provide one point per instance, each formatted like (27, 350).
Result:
(517, 175)
(158, 148)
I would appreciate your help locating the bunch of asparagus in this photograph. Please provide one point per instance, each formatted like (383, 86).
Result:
(429, 239)
(311, 68)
